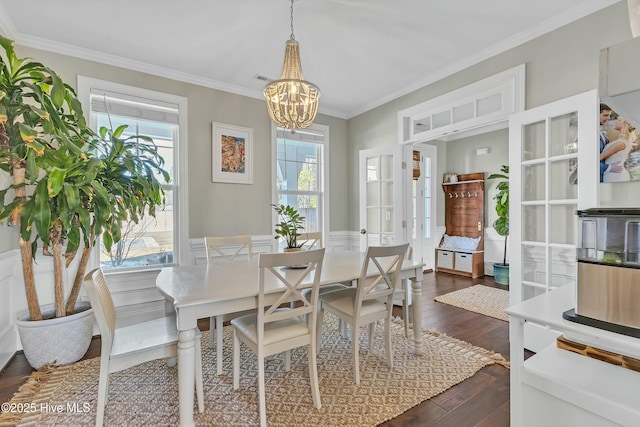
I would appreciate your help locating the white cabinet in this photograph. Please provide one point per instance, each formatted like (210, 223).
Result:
(559, 387)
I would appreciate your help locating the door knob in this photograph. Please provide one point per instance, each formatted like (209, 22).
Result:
(363, 231)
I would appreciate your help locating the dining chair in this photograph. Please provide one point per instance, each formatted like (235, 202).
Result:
(371, 300)
(311, 240)
(276, 327)
(403, 294)
(132, 345)
(225, 249)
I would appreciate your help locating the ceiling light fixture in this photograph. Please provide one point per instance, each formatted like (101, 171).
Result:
(292, 101)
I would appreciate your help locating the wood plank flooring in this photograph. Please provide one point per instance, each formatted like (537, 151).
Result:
(482, 400)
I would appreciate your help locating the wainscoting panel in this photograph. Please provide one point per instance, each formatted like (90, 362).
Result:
(8, 335)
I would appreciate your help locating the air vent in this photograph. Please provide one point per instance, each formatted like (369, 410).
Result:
(262, 78)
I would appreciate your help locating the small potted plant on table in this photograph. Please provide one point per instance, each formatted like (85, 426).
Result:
(290, 223)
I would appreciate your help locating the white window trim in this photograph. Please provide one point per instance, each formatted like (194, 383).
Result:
(325, 179)
(181, 216)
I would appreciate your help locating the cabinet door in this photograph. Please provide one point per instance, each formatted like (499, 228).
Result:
(553, 172)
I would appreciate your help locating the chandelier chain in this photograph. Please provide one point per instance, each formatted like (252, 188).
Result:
(292, 36)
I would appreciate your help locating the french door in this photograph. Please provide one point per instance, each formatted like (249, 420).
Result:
(382, 186)
(554, 171)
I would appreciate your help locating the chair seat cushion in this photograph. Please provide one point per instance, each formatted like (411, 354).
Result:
(343, 301)
(325, 289)
(273, 331)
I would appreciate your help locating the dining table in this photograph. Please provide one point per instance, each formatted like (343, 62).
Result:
(202, 291)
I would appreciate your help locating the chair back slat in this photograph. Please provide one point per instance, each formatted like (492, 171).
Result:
(388, 264)
(307, 270)
(228, 248)
(311, 240)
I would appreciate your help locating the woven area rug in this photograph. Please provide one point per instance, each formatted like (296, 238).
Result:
(479, 299)
(147, 395)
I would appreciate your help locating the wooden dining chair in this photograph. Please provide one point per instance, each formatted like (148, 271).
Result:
(276, 327)
(371, 300)
(131, 345)
(225, 249)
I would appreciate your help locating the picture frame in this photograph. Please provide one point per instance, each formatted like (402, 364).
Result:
(231, 154)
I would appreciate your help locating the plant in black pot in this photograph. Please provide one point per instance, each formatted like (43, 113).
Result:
(291, 222)
(501, 224)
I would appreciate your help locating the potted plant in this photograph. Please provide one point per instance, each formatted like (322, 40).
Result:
(69, 186)
(501, 224)
(290, 223)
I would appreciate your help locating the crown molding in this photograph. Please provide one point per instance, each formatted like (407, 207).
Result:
(578, 12)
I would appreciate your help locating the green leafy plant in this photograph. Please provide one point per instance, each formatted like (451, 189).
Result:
(69, 184)
(501, 224)
(290, 223)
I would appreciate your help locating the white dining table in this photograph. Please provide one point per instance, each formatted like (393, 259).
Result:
(202, 291)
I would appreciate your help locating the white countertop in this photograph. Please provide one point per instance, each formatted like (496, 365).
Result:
(547, 309)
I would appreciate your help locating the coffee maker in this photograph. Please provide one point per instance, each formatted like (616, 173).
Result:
(608, 259)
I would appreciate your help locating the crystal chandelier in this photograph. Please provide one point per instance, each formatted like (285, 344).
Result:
(292, 101)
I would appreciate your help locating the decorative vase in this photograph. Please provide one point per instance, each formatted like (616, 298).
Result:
(59, 340)
(501, 273)
(292, 249)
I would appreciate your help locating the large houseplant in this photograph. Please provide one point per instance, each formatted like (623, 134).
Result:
(290, 223)
(69, 184)
(501, 224)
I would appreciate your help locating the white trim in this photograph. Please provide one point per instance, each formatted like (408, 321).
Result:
(181, 227)
(508, 87)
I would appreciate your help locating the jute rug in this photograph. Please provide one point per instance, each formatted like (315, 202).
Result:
(479, 299)
(147, 395)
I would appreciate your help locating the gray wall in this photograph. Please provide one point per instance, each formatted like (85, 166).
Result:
(214, 208)
(559, 64)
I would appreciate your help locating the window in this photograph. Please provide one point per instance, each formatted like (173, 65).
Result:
(300, 173)
(152, 242)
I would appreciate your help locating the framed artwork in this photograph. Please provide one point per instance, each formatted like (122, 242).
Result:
(232, 154)
(619, 150)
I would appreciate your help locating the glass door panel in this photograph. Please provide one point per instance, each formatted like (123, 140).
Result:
(534, 182)
(533, 146)
(534, 224)
(563, 224)
(564, 177)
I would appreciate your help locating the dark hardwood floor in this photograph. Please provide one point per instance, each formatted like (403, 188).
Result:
(482, 400)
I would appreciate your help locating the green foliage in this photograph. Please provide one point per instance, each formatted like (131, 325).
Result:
(290, 223)
(501, 225)
(69, 183)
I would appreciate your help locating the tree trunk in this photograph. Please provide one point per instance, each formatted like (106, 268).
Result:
(25, 246)
(29, 281)
(75, 290)
(58, 279)
(504, 261)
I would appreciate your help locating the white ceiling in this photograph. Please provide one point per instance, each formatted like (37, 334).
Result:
(360, 53)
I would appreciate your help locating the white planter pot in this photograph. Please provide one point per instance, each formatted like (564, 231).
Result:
(59, 340)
